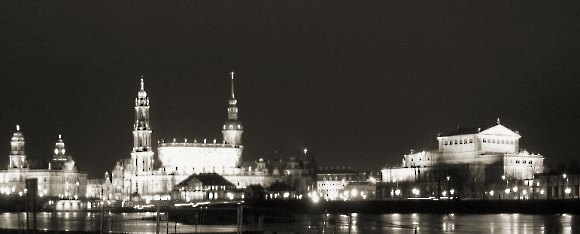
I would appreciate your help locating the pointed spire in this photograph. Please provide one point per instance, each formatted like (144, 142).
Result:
(498, 122)
(232, 75)
(17, 127)
(142, 83)
(59, 137)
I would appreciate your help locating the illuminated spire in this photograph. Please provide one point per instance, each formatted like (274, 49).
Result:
(232, 75)
(17, 127)
(142, 84)
(498, 122)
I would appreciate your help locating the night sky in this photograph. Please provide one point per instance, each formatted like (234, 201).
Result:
(359, 83)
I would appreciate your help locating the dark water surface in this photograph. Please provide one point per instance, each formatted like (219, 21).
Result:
(144, 222)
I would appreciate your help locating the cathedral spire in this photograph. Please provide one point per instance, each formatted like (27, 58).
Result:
(232, 75)
(232, 129)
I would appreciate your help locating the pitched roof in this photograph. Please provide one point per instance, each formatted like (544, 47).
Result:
(207, 179)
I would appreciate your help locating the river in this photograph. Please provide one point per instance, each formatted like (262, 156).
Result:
(145, 222)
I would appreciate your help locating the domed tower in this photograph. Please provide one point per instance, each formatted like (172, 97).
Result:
(142, 154)
(17, 154)
(233, 129)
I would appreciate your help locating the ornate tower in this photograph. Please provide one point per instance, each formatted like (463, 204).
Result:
(17, 154)
(59, 157)
(142, 154)
(233, 128)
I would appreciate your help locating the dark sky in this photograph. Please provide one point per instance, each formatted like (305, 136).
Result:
(359, 83)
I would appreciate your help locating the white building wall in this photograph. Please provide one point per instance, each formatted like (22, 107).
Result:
(190, 158)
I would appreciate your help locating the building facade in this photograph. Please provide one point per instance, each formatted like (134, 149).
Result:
(474, 159)
(60, 179)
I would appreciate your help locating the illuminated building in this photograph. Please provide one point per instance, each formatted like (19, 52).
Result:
(60, 180)
(205, 186)
(332, 182)
(470, 157)
(137, 178)
(186, 158)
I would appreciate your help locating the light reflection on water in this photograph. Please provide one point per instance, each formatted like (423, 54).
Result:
(356, 223)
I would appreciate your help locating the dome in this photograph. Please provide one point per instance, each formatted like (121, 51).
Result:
(18, 136)
(233, 125)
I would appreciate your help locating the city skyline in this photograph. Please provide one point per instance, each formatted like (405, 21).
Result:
(303, 80)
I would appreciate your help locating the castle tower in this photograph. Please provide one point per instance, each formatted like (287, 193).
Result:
(59, 157)
(17, 154)
(233, 129)
(142, 154)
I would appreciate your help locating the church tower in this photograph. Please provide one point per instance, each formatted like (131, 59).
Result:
(17, 154)
(233, 129)
(59, 156)
(142, 154)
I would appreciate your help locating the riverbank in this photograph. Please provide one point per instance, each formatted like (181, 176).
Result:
(427, 206)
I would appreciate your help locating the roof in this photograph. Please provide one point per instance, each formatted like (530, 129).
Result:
(335, 170)
(461, 131)
(207, 179)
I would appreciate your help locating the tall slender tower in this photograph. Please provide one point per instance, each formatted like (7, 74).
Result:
(233, 128)
(142, 154)
(17, 154)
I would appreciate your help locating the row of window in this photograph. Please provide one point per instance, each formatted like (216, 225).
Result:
(484, 140)
(523, 161)
(498, 141)
(459, 142)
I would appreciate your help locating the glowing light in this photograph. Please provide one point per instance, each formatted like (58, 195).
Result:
(567, 190)
(507, 190)
(515, 189)
(398, 192)
(491, 193)
(354, 192)
(415, 191)
(452, 191)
